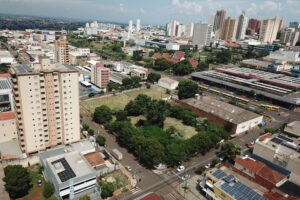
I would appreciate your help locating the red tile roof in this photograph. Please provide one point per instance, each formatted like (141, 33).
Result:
(178, 55)
(5, 75)
(277, 196)
(231, 44)
(252, 165)
(94, 158)
(100, 64)
(265, 136)
(193, 62)
(271, 175)
(7, 115)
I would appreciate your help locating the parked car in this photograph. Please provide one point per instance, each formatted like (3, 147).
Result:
(128, 168)
(248, 145)
(208, 165)
(185, 177)
(180, 168)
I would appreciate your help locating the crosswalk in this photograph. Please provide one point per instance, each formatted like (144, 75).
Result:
(173, 196)
(135, 190)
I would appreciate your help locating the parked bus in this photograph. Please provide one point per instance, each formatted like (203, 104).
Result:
(268, 107)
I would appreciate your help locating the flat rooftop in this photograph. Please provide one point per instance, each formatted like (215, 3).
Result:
(293, 128)
(221, 109)
(5, 84)
(69, 165)
(11, 150)
(25, 69)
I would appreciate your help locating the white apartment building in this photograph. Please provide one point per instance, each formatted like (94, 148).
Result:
(189, 29)
(138, 25)
(242, 26)
(269, 30)
(290, 36)
(171, 28)
(47, 106)
(62, 51)
(202, 34)
(100, 75)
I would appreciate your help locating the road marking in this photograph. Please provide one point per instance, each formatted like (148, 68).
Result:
(136, 190)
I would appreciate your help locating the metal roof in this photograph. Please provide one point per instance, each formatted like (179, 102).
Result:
(5, 84)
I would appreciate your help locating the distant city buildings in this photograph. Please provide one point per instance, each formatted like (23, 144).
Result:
(61, 53)
(47, 106)
(138, 25)
(219, 21)
(229, 29)
(254, 26)
(202, 34)
(242, 26)
(294, 25)
(290, 36)
(269, 30)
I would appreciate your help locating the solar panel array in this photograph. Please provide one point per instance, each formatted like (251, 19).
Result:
(219, 174)
(241, 192)
(229, 178)
(276, 140)
(285, 138)
(68, 173)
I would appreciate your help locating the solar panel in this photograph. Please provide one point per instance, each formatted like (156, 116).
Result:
(229, 178)
(219, 174)
(285, 138)
(276, 140)
(68, 173)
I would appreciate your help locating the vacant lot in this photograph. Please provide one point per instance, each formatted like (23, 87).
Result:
(185, 131)
(119, 101)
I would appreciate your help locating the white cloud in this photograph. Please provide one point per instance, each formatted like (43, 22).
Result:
(187, 7)
(121, 7)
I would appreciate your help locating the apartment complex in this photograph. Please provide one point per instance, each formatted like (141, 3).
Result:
(253, 26)
(47, 106)
(290, 36)
(100, 75)
(61, 53)
(269, 30)
(241, 27)
(229, 29)
(202, 34)
(219, 20)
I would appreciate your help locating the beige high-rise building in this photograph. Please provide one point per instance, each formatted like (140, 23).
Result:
(61, 52)
(229, 29)
(269, 30)
(47, 106)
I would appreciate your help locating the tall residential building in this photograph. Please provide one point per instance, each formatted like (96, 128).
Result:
(294, 25)
(100, 75)
(138, 25)
(229, 29)
(290, 36)
(180, 29)
(253, 27)
(241, 27)
(189, 28)
(61, 54)
(202, 34)
(219, 20)
(47, 106)
(171, 28)
(269, 30)
(281, 25)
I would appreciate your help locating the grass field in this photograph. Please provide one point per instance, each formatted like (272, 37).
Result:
(119, 101)
(186, 131)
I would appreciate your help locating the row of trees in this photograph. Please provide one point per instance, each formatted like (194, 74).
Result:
(148, 141)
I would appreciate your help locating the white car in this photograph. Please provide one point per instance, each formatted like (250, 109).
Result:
(180, 168)
(185, 177)
(207, 165)
(128, 168)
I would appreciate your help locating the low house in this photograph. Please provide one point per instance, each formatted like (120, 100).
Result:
(168, 83)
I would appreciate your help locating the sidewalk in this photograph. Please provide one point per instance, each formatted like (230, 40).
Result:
(3, 194)
(191, 192)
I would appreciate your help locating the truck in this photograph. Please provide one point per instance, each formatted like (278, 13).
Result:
(117, 154)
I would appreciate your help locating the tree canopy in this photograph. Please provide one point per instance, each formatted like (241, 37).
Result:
(161, 64)
(102, 114)
(48, 190)
(153, 77)
(182, 68)
(17, 181)
(107, 190)
(187, 89)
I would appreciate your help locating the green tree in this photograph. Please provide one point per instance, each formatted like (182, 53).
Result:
(85, 197)
(137, 55)
(4, 68)
(107, 190)
(162, 64)
(229, 151)
(187, 89)
(121, 115)
(269, 130)
(102, 114)
(224, 56)
(85, 126)
(17, 181)
(100, 140)
(113, 86)
(157, 112)
(91, 131)
(48, 190)
(153, 77)
(215, 161)
(182, 68)
(202, 66)
(152, 152)
(138, 106)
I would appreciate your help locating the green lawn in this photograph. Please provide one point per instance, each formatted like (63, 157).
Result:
(119, 101)
(186, 131)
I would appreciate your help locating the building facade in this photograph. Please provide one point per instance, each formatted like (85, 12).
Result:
(61, 54)
(242, 26)
(290, 36)
(294, 25)
(202, 35)
(229, 29)
(8, 126)
(253, 27)
(47, 107)
(269, 30)
(100, 75)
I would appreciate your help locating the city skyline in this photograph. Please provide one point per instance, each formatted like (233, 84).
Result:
(151, 12)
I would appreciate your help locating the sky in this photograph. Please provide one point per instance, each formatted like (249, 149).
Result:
(157, 12)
